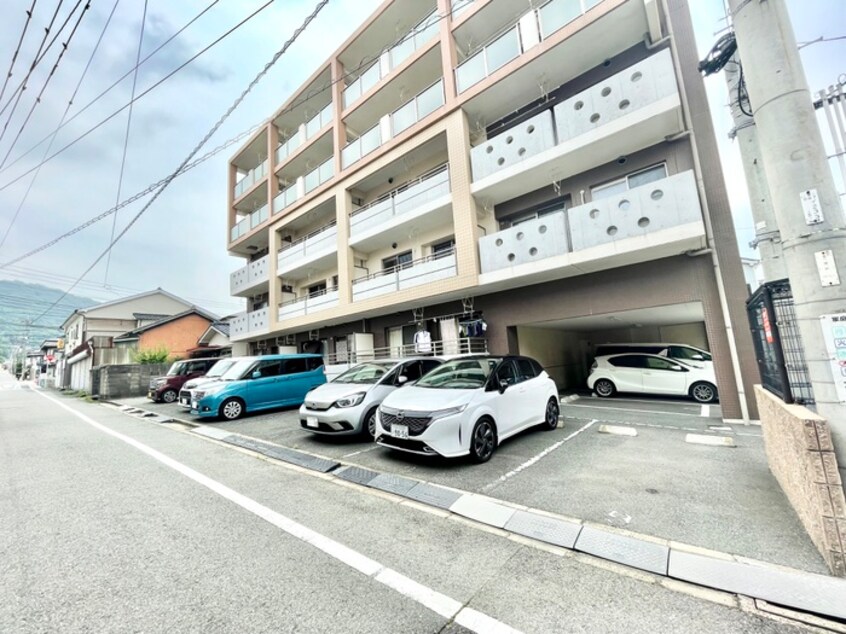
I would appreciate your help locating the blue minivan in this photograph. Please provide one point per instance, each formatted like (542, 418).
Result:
(253, 384)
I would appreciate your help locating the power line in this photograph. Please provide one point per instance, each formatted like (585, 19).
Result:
(63, 123)
(17, 49)
(209, 134)
(126, 137)
(56, 131)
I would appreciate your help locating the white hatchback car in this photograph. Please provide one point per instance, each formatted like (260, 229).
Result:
(468, 406)
(652, 374)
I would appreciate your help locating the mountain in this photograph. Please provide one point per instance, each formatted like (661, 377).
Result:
(21, 303)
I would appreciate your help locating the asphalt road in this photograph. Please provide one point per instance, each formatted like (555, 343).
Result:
(111, 524)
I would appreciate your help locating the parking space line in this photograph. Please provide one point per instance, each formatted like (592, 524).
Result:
(439, 603)
(534, 459)
(639, 411)
(705, 412)
(356, 453)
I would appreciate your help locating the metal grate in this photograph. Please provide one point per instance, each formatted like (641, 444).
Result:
(416, 424)
(778, 344)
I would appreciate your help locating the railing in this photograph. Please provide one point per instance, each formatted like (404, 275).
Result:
(305, 132)
(323, 239)
(417, 108)
(439, 347)
(318, 121)
(289, 145)
(489, 59)
(362, 146)
(249, 223)
(410, 196)
(311, 303)
(316, 177)
(421, 33)
(410, 274)
(557, 13)
(248, 276)
(285, 198)
(251, 178)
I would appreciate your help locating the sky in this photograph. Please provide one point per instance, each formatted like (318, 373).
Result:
(179, 243)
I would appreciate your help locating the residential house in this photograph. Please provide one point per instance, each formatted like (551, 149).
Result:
(178, 334)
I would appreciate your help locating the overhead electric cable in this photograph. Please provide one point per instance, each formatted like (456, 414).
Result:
(126, 137)
(56, 131)
(17, 49)
(205, 139)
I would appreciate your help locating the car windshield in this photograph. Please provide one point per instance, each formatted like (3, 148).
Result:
(176, 368)
(220, 368)
(364, 373)
(238, 370)
(460, 374)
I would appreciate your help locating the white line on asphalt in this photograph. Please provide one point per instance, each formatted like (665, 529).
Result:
(439, 603)
(634, 411)
(705, 412)
(356, 453)
(714, 441)
(533, 460)
(617, 430)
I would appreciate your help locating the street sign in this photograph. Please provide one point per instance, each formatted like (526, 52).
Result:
(834, 333)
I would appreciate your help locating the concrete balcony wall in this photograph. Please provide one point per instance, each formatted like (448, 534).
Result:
(257, 320)
(422, 272)
(527, 242)
(307, 251)
(517, 144)
(249, 277)
(239, 326)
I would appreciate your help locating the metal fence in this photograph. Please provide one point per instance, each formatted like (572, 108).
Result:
(778, 344)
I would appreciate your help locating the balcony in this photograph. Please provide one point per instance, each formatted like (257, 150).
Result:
(304, 185)
(362, 146)
(250, 278)
(416, 273)
(426, 202)
(246, 324)
(311, 251)
(319, 175)
(301, 306)
(304, 133)
(652, 221)
(631, 110)
(419, 35)
(246, 225)
(253, 176)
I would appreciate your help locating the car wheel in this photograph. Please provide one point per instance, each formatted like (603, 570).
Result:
(703, 392)
(550, 420)
(169, 396)
(604, 388)
(483, 441)
(231, 409)
(369, 427)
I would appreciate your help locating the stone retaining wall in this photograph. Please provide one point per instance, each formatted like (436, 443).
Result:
(120, 381)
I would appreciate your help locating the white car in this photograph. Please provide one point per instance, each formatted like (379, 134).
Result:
(468, 406)
(347, 405)
(652, 374)
(216, 371)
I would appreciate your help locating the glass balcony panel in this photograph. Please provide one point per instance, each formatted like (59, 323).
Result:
(327, 170)
(351, 153)
(370, 77)
(502, 50)
(430, 100)
(459, 6)
(371, 140)
(352, 93)
(326, 116)
(471, 72)
(312, 180)
(402, 51)
(404, 118)
(313, 126)
(589, 4)
(427, 32)
(556, 14)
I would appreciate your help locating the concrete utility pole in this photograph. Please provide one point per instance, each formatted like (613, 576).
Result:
(767, 236)
(806, 205)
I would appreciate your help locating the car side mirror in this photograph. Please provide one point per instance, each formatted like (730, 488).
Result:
(256, 375)
(698, 357)
(402, 379)
(677, 368)
(503, 385)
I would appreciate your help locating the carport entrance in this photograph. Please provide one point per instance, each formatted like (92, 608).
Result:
(566, 347)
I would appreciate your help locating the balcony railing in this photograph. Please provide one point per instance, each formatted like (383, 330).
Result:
(248, 323)
(417, 108)
(440, 347)
(362, 146)
(285, 198)
(248, 277)
(422, 32)
(311, 303)
(490, 58)
(305, 132)
(663, 204)
(312, 245)
(408, 275)
(626, 92)
(250, 178)
(403, 200)
(316, 177)
(459, 6)
(249, 223)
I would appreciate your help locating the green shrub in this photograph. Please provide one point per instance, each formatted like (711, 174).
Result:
(156, 355)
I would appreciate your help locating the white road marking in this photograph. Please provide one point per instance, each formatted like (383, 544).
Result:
(716, 441)
(534, 459)
(356, 453)
(638, 411)
(616, 430)
(439, 603)
(705, 412)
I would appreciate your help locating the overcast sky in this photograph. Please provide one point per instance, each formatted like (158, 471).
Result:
(180, 242)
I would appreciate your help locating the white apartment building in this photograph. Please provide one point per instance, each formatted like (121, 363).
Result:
(525, 180)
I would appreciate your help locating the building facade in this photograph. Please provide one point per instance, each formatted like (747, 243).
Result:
(515, 179)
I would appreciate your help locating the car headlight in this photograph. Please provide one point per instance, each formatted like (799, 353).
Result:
(160, 382)
(350, 401)
(450, 411)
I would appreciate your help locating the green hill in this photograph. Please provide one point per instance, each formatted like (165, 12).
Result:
(21, 303)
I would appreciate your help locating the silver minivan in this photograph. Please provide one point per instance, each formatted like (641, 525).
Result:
(347, 405)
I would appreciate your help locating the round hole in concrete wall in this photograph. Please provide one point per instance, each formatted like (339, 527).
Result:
(624, 205)
(606, 91)
(578, 105)
(509, 139)
(520, 235)
(510, 257)
(533, 251)
(656, 195)
(521, 151)
(500, 161)
(489, 149)
(643, 222)
(606, 63)
(594, 213)
(612, 230)
(594, 117)
(530, 129)
(542, 229)
(637, 76)
(625, 103)
(499, 242)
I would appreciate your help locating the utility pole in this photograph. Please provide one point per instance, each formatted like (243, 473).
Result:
(767, 235)
(804, 199)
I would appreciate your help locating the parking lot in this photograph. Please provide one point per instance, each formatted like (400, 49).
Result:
(644, 475)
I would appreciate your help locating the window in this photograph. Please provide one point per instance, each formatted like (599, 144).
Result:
(398, 261)
(506, 373)
(317, 289)
(690, 354)
(635, 179)
(443, 248)
(629, 361)
(313, 363)
(294, 366)
(429, 365)
(525, 370)
(334, 281)
(656, 363)
(411, 371)
(561, 203)
(268, 368)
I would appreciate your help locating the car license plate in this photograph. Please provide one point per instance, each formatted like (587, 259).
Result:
(311, 421)
(399, 431)
(151, 394)
(185, 401)
(194, 404)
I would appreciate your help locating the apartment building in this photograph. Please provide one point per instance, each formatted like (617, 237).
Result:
(534, 180)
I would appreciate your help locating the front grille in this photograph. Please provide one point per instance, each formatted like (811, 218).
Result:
(184, 394)
(325, 427)
(416, 424)
(317, 407)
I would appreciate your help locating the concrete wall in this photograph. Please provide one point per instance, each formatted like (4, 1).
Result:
(120, 381)
(801, 457)
(561, 353)
(177, 336)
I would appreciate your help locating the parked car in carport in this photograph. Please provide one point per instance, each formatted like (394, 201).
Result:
(652, 374)
(166, 388)
(347, 405)
(678, 351)
(467, 406)
(259, 383)
(214, 374)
